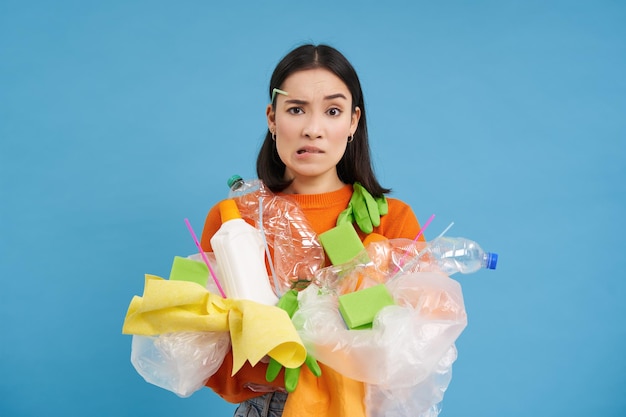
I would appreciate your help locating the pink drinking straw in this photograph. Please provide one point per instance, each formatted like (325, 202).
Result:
(430, 219)
(205, 258)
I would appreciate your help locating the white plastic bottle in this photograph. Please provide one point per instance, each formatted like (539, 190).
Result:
(297, 252)
(455, 254)
(240, 255)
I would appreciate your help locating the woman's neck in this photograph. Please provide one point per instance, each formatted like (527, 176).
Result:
(313, 186)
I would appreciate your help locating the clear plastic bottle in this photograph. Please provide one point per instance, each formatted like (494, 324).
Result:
(240, 255)
(239, 187)
(248, 194)
(454, 254)
(298, 254)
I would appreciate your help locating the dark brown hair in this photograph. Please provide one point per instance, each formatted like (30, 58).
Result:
(355, 165)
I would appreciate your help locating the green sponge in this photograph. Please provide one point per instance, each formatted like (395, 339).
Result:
(359, 308)
(185, 269)
(341, 243)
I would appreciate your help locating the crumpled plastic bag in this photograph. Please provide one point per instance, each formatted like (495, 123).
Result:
(406, 341)
(407, 354)
(179, 362)
(420, 400)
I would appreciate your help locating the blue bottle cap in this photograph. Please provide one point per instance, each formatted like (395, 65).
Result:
(492, 260)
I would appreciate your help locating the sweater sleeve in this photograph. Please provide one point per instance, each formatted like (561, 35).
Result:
(400, 222)
(211, 225)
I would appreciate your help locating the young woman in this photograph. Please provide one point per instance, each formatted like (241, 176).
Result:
(315, 150)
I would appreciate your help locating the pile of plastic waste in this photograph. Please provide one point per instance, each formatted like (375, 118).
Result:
(389, 317)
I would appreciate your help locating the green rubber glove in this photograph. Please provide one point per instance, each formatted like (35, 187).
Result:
(289, 303)
(364, 209)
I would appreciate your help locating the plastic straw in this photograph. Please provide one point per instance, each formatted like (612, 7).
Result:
(267, 249)
(445, 230)
(205, 258)
(430, 219)
(416, 259)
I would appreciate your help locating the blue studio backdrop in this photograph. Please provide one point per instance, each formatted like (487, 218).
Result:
(119, 119)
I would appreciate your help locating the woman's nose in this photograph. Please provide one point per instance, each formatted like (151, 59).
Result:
(313, 128)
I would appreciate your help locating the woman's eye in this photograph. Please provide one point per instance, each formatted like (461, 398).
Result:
(295, 110)
(334, 111)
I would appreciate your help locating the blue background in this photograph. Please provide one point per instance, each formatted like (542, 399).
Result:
(119, 119)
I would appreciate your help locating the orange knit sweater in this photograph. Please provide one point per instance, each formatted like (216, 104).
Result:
(321, 210)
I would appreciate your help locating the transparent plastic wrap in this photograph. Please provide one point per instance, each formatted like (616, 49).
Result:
(298, 254)
(406, 358)
(376, 264)
(358, 273)
(407, 340)
(179, 362)
(384, 260)
(392, 255)
(420, 400)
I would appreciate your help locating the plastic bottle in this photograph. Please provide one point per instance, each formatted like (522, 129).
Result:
(240, 255)
(248, 194)
(298, 254)
(455, 254)
(239, 187)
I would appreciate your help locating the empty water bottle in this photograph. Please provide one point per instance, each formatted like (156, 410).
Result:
(239, 187)
(453, 254)
(247, 194)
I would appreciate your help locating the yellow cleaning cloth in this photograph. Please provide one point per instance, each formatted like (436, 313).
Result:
(255, 329)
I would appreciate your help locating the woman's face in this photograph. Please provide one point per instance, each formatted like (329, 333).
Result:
(312, 124)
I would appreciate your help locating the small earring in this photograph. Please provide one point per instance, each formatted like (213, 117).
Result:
(351, 138)
(273, 135)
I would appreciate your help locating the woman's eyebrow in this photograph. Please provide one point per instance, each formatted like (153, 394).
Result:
(296, 101)
(303, 102)
(334, 96)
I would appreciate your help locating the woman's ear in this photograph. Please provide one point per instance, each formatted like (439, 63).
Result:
(354, 123)
(271, 118)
